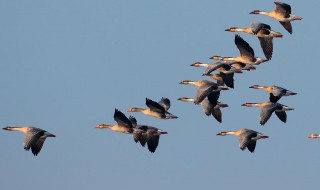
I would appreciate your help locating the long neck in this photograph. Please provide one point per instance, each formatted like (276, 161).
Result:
(245, 30)
(251, 104)
(136, 110)
(228, 59)
(230, 133)
(21, 129)
(187, 99)
(258, 87)
(191, 82)
(263, 13)
(204, 65)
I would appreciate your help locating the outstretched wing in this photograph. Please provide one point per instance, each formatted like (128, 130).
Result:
(165, 103)
(36, 147)
(121, 119)
(243, 46)
(155, 106)
(267, 46)
(257, 26)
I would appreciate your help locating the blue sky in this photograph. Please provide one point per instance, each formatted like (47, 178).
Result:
(65, 67)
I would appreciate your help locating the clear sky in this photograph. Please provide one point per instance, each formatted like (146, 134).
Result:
(66, 65)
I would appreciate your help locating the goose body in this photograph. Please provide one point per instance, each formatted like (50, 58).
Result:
(156, 109)
(33, 139)
(205, 87)
(246, 54)
(264, 34)
(247, 138)
(150, 136)
(210, 106)
(267, 108)
(276, 92)
(281, 13)
(124, 124)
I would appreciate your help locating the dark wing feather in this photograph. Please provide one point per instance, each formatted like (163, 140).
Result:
(282, 115)
(213, 67)
(155, 106)
(266, 112)
(203, 92)
(32, 137)
(267, 46)
(121, 119)
(257, 26)
(273, 98)
(252, 145)
(36, 147)
(133, 121)
(278, 91)
(246, 141)
(216, 113)
(213, 97)
(207, 106)
(283, 8)
(165, 103)
(287, 26)
(142, 138)
(228, 79)
(153, 142)
(243, 46)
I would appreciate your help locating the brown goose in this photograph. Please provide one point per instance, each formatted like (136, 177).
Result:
(246, 53)
(282, 13)
(267, 108)
(205, 87)
(276, 92)
(210, 106)
(156, 109)
(34, 137)
(124, 125)
(247, 138)
(264, 34)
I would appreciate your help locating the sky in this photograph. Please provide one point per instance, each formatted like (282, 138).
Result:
(66, 65)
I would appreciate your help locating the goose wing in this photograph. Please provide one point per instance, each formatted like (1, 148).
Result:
(243, 46)
(153, 142)
(267, 46)
(32, 137)
(165, 103)
(246, 141)
(121, 119)
(257, 26)
(155, 106)
(267, 111)
(37, 146)
(283, 8)
(287, 26)
(282, 115)
(203, 91)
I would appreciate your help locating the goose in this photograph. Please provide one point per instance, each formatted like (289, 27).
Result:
(276, 92)
(204, 88)
(147, 135)
(247, 138)
(226, 71)
(210, 106)
(156, 109)
(267, 108)
(264, 34)
(314, 136)
(33, 137)
(281, 13)
(246, 53)
(124, 124)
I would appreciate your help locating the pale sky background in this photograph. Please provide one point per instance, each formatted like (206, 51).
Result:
(66, 65)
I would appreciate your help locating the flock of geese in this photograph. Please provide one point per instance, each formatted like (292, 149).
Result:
(207, 94)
